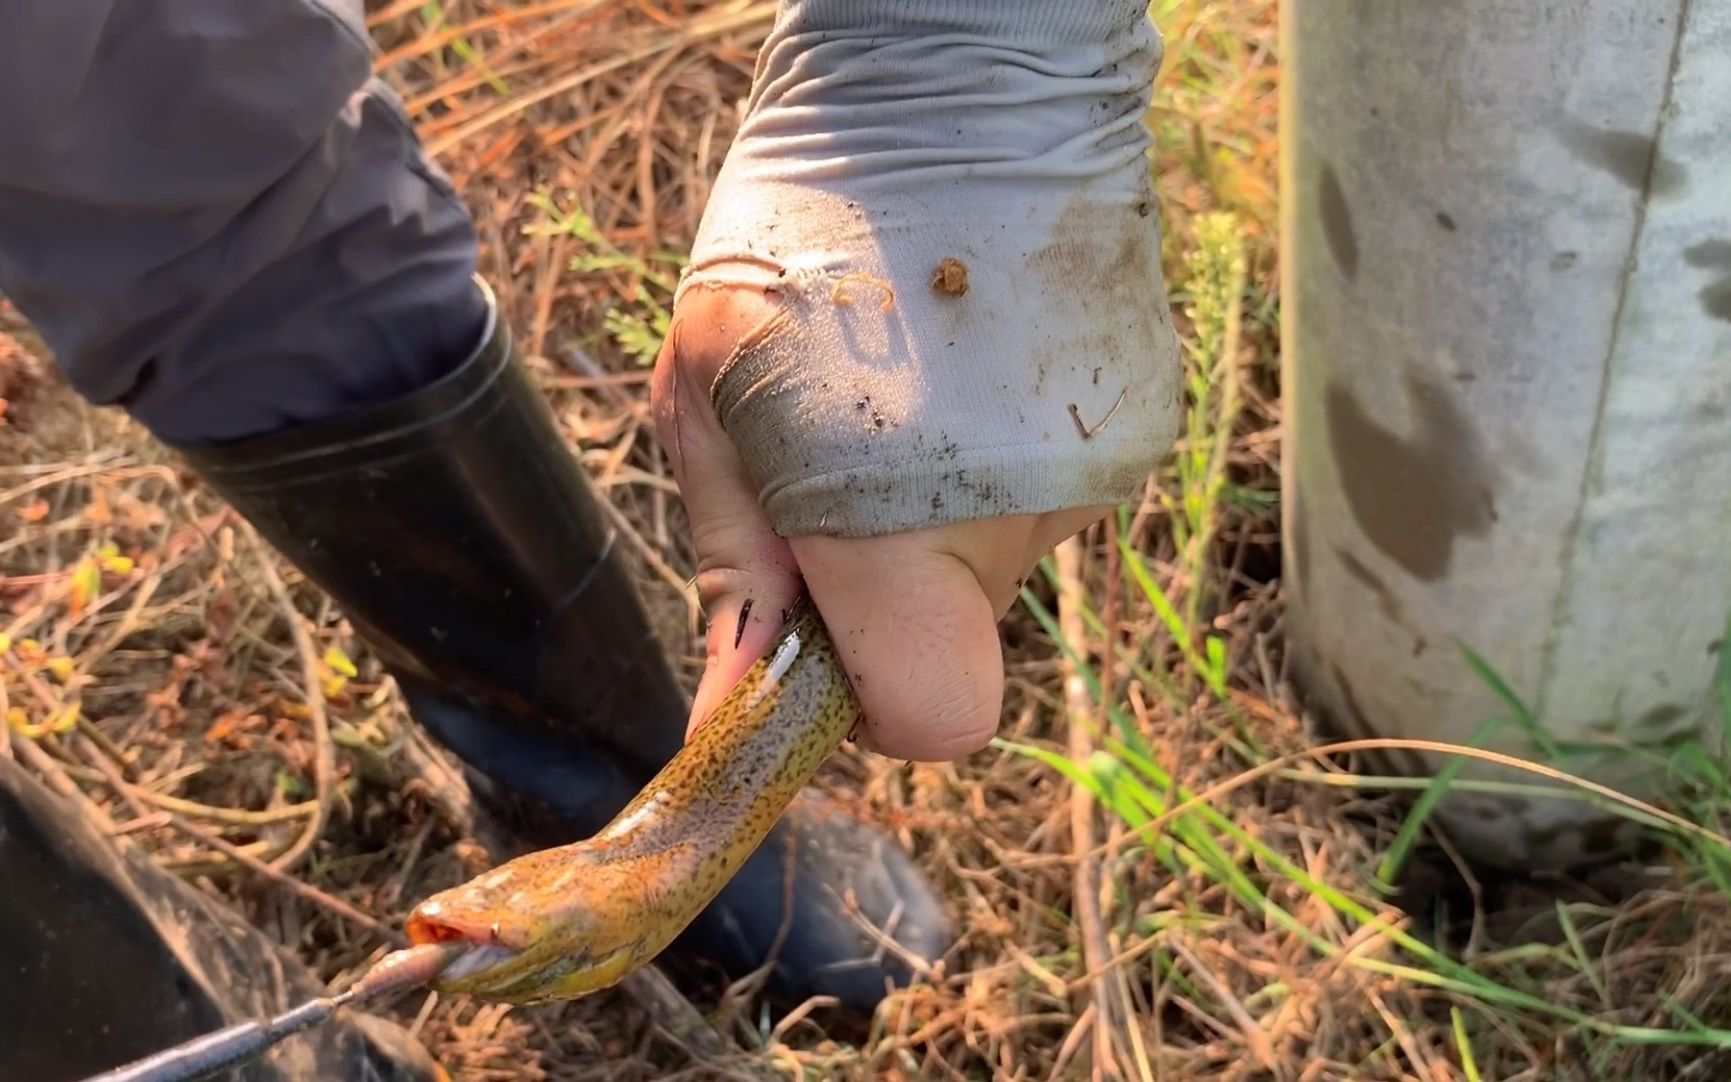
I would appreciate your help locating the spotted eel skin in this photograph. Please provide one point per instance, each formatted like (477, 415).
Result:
(566, 922)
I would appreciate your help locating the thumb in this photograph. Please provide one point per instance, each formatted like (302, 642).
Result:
(915, 618)
(746, 574)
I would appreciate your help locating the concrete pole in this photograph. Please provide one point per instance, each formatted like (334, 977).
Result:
(1506, 232)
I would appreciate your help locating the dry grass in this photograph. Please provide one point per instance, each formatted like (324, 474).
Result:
(1239, 940)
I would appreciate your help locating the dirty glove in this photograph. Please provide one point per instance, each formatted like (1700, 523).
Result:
(922, 338)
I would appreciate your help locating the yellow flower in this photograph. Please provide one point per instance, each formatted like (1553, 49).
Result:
(111, 560)
(339, 670)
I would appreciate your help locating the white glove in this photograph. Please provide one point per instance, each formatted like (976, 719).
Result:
(953, 202)
(921, 340)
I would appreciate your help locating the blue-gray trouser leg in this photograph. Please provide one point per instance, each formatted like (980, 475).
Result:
(219, 222)
(217, 219)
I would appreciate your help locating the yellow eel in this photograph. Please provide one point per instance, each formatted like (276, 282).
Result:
(562, 923)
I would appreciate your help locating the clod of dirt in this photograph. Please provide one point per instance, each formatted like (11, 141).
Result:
(951, 277)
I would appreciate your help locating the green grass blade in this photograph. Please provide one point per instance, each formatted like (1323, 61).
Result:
(1388, 868)
(1463, 1046)
(1523, 716)
(1579, 948)
(1125, 725)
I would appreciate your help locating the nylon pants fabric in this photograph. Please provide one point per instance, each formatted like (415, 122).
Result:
(218, 219)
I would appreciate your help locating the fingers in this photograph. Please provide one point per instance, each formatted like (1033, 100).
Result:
(915, 621)
(918, 636)
(746, 573)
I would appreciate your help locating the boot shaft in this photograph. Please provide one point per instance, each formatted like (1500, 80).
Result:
(461, 538)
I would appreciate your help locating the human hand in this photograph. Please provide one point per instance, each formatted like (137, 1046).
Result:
(900, 371)
(913, 614)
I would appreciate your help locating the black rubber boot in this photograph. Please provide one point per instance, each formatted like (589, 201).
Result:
(463, 541)
(105, 959)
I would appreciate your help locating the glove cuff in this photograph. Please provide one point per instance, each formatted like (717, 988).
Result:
(1035, 26)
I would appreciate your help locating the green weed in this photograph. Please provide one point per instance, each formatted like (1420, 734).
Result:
(433, 18)
(1216, 271)
(639, 326)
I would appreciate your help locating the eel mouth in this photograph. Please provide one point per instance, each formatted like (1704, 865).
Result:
(485, 951)
(480, 959)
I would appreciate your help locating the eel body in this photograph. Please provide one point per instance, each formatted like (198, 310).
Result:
(565, 922)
